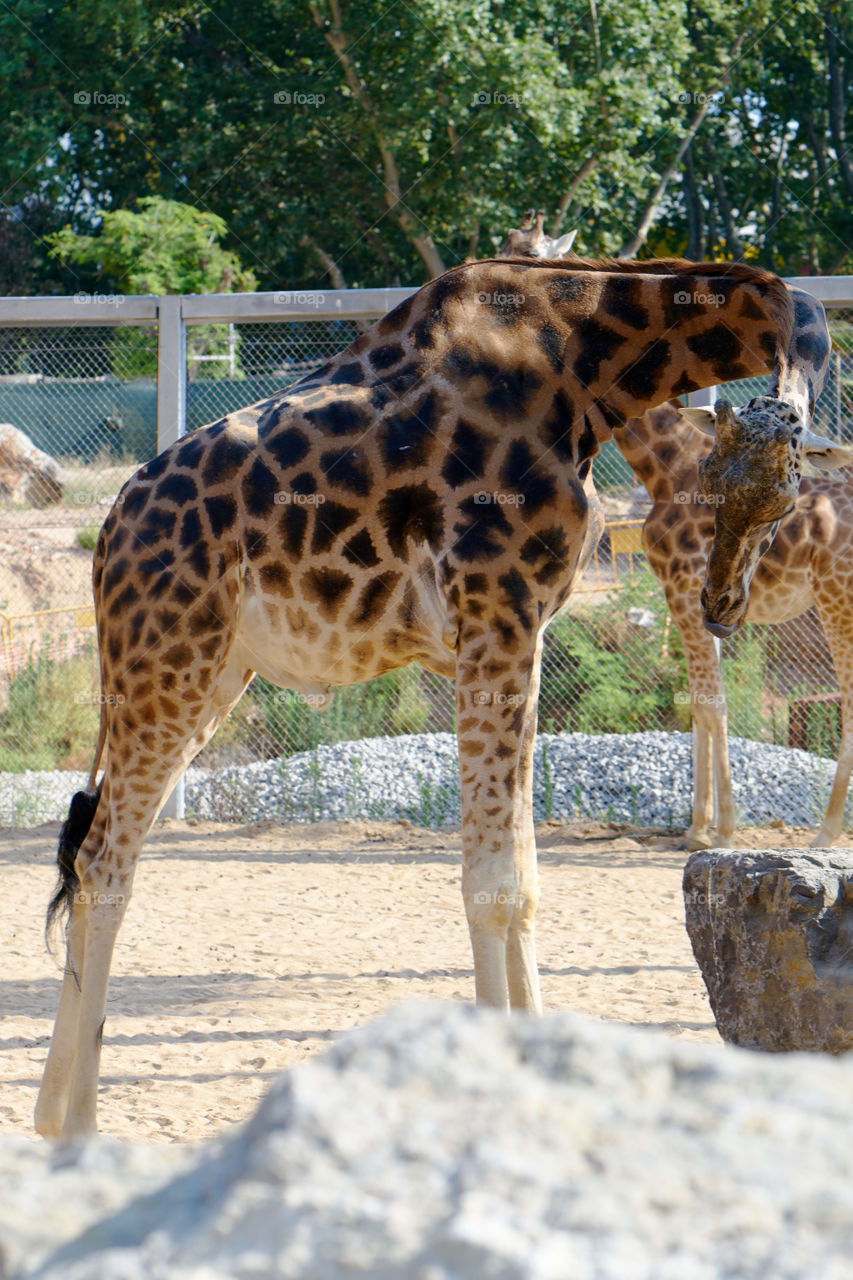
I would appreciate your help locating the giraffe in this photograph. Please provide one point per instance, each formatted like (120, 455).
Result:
(810, 562)
(353, 523)
(664, 450)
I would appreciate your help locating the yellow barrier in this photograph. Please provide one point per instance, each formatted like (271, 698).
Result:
(626, 538)
(16, 629)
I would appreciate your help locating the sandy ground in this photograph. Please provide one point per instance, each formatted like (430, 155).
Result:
(245, 950)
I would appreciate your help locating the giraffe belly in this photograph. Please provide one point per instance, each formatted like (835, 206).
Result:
(291, 645)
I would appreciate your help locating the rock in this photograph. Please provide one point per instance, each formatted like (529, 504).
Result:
(448, 1143)
(26, 474)
(773, 935)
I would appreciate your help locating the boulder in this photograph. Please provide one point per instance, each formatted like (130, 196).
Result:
(26, 474)
(449, 1143)
(772, 933)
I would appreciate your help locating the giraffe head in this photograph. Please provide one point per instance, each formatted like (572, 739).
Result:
(530, 241)
(751, 478)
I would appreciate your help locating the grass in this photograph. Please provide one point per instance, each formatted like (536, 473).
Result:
(87, 537)
(51, 716)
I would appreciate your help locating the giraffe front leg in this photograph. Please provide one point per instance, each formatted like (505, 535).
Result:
(496, 710)
(698, 834)
(839, 637)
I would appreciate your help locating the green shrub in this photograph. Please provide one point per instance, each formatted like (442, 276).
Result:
(51, 716)
(602, 674)
(87, 538)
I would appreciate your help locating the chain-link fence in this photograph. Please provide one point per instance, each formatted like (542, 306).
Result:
(85, 399)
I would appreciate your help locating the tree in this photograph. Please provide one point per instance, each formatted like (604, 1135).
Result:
(166, 247)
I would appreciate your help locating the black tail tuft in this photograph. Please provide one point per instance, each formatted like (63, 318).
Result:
(75, 828)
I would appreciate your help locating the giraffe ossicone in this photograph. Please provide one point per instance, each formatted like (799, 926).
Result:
(357, 522)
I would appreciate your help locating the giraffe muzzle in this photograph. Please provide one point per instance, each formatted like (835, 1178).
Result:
(722, 630)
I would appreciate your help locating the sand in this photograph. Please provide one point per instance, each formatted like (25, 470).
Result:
(247, 949)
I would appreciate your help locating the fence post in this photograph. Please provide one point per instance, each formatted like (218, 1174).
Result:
(171, 425)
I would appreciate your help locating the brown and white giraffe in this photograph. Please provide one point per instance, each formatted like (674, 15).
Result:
(664, 450)
(810, 562)
(338, 530)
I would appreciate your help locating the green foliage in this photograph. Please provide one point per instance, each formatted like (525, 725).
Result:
(408, 137)
(87, 537)
(167, 247)
(285, 724)
(602, 674)
(745, 671)
(58, 697)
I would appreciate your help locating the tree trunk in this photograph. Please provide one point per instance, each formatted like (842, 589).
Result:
(695, 211)
(734, 244)
(837, 101)
(408, 223)
(334, 272)
(776, 201)
(571, 191)
(631, 247)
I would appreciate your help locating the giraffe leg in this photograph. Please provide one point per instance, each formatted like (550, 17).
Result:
(698, 834)
(53, 1095)
(709, 716)
(840, 640)
(725, 819)
(496, 710)
(522, 971)
(137, 778)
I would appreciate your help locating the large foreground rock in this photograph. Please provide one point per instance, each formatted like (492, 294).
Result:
(444, 1142)
(773, 935)
(26, 473)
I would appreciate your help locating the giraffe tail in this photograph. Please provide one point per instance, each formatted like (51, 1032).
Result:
(75, 828)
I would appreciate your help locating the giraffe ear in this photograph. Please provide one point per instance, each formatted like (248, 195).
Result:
(704, 419)
(559, 248)
(826, 455)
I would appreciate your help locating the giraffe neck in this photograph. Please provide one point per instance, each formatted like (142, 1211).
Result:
(659, 447)
(799, 374)
(642, 336)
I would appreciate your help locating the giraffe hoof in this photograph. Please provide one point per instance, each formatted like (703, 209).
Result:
(695, 841)
(823, 840)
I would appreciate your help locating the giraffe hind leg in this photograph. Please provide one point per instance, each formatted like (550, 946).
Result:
(137, 778)
(53, 1094)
